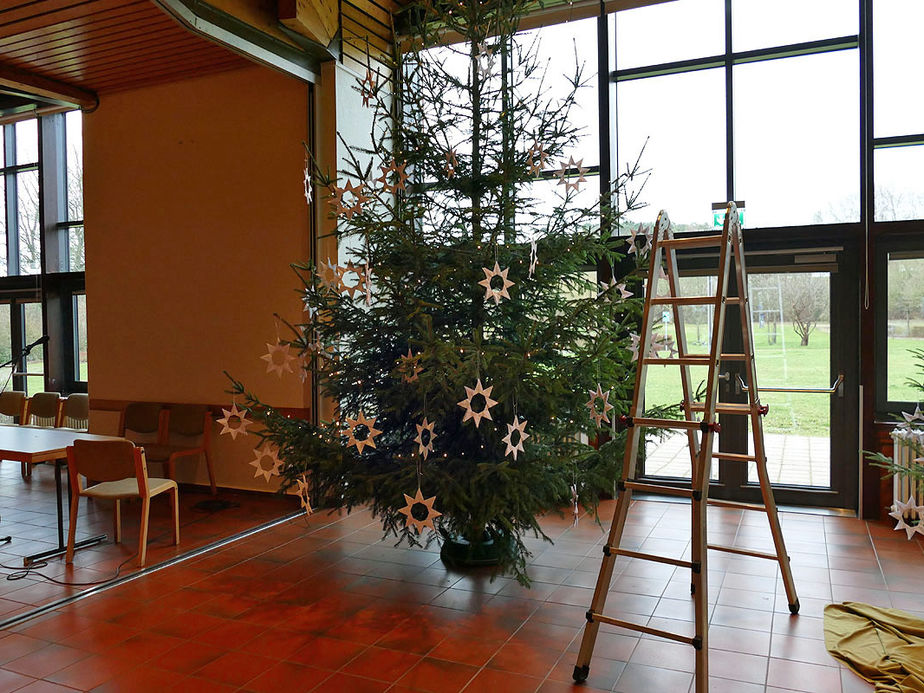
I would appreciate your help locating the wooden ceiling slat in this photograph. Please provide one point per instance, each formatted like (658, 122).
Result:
(129, 67)
(132, 13)
(164, 77)
(52, 11)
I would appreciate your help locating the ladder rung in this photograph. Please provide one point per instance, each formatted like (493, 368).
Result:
(680, 361)
(651, 557)
(682, 300)
(733, 457)
(743, 552)
(668, 423)
(734, 357)
(736, 504)
(695, 242)
(724, 407)
(640, 628)
(656, 488)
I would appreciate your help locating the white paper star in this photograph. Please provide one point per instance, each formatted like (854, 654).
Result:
(409, 366)
(485, 60)
(633, 234)
(266, 462)
(520, 427)
(304, 494)
(367, 87)
(359, 286)
(307, 182)
(452, 163)
(489, 291)
(466, 403)
(623, 292)
(408, 511)
(635, 344)
(330, 275)
(423, 448)
(369, 440)
(910, 507)
(599, 414)
(339, 204)
(278, 358)
(917, 416)
(385, 179)
(533, 257)
(605, 288)
(537, 157)
(236, 417)
(563, 174)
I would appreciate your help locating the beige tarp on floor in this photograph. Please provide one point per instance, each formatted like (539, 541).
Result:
(884, 646)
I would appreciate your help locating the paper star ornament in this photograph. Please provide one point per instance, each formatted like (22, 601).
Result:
(306, 184)
(452, 163)
(605, 287)
(489, 291)
(599, 413)
(352, 289)
(340, 204)
(416, 501)
(636, 234)
(565, 171)
(266, 462)
(537, 157)
(910, 507)
(424, 449)
(409, 366)
(623, 292)
(466, 404)
(278, 358)
(330, 275)
(304, 494)
(518, 426)
(485, 57)
(917, 416)
(635, 344)
(234, 422)
(372, 432)
(385, 179)
(533, 257)
(367, 87)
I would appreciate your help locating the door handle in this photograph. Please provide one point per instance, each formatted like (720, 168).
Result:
(807, 390)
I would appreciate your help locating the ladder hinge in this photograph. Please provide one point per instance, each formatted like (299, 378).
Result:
(697, 643)
(606, 550)
(589, 616)
(626, 421)
(697, 495)
(763, 409)
(714, 427)
(696, 566)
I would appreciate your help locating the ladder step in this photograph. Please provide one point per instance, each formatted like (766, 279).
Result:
(591, 616)
(743, 552)
(724, 407)
(691, 300)
(679, 424)
(736, 504)
(690, 243)
(734, 357)
(649, 557)
(733, 457)
(657, 488)
(680, 361)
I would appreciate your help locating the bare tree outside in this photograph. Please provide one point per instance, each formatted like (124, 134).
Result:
(805, 297)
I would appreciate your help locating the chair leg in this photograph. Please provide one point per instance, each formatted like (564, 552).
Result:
(175, 507)
(117, 522)
(72, 529)
(143, 532)
(208, 463)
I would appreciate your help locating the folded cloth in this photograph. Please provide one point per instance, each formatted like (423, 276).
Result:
(884, 646)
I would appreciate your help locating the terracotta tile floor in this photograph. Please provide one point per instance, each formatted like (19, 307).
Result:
(325, 605)
(27, 513)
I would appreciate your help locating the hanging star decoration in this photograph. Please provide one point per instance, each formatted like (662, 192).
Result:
(330, 275)
(409, 366)
(278, 358)
(360, 285)
(466, 403)
(662, 343)
(309, 309)
(635, 344)
(537, 157)
(267, 461)
(234, 422)
(338, 202)
(916, 416)
(563, 174)
(452, 163)
(304, 494)
(489, 291)
(910, 507)
(519, 426)
(599, 413)
(367, 87)
(408, 511)
(634, 235)
(385, 179)
(623, 292)
(605, 287)
(485, 57)
(533, 257)
(425, 448)
(307, 182)
(369, 440)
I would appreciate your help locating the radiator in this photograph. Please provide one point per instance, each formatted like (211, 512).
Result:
(907, 446)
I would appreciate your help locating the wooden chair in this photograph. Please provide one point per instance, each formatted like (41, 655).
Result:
(12, 405)
(75, 412)
(141, 422)
(42, 409)
(122, 471)
(188, 434)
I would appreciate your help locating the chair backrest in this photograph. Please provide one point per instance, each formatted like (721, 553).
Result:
(107, 460)
(42, 408)
(11, 403)
(187, 419)
(141, 417)
(75, 411)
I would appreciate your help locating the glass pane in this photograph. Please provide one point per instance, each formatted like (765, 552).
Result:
(27, 191)
(27, 141)
(80, 337)
(899, 184)
(898, 105)
(76, 257)
(686, 156)
(74, 143)
(3, 268)
(562, 49)
(671, 31)
(765, 24)
(797, 155)
(670, 456)
(906, 325)
(790, 319)
(35, 361)
(6, 352)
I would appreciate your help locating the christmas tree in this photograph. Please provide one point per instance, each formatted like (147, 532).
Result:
(476, 362)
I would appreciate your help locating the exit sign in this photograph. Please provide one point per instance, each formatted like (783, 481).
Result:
(718, 214)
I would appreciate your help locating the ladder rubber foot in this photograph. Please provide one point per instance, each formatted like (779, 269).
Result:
(794, 607)
(580, 674)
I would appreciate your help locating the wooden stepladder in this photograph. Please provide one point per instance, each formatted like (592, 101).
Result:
(731, 252)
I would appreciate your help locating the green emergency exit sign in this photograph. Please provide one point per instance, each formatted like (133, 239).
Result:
(718, 214)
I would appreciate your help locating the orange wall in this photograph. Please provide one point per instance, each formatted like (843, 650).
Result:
(194, 210)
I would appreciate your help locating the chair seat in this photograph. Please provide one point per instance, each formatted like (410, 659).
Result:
(155, 452)
(127, 488)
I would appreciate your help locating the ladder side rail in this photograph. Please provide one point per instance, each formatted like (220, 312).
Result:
(756, 421)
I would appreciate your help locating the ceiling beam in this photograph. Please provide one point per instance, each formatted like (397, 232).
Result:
(47, 89)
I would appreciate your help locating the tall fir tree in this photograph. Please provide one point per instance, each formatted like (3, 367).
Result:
(470, 169)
